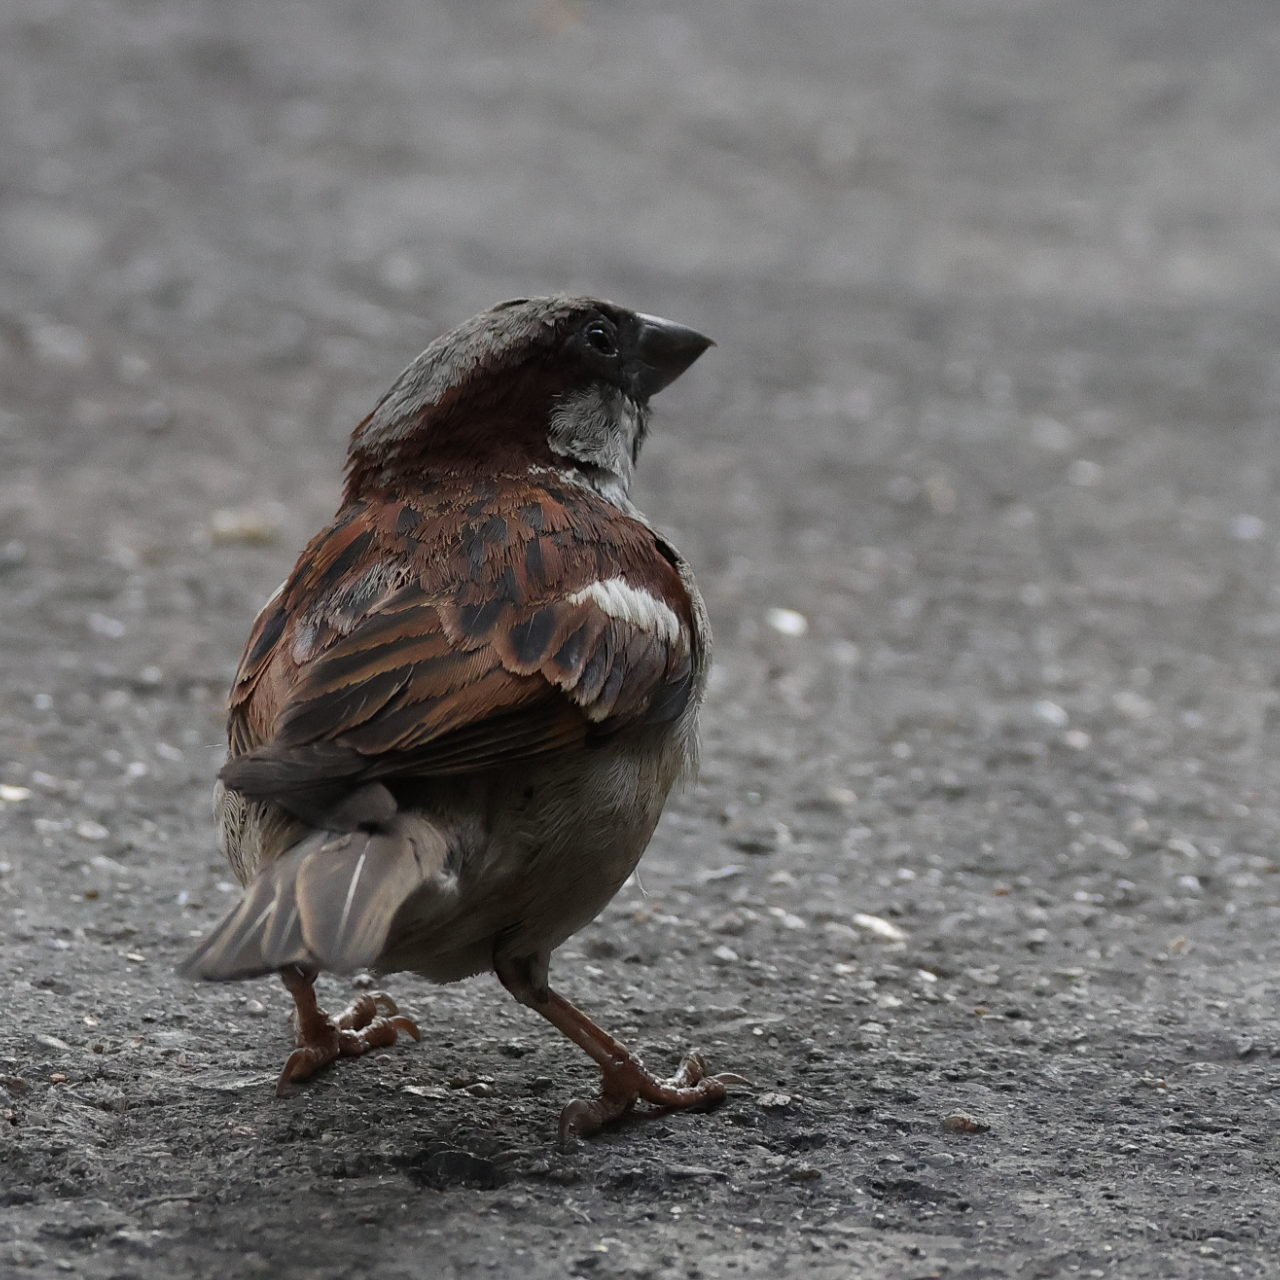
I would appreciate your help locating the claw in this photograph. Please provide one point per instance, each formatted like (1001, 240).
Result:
(583, 1117)
(321, 1039)
(301, 1064)
(626, 1082)
(410, 1028)
(624, 1079)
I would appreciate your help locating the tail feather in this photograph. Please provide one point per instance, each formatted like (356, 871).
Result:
(238, 945)
(281, 941)
(327, 903)
(349, 890)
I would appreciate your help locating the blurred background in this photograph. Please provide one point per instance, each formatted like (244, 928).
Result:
(949, 251)
(993, 284)
(980, 483)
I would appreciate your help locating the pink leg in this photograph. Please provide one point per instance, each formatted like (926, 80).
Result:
(625, 1080)
(321, 1039)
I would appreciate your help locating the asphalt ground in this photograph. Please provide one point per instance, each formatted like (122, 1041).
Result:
(978, 886)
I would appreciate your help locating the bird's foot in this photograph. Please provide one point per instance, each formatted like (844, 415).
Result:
(371, 1021)
(626, 1082)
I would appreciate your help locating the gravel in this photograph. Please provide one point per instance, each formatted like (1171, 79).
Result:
(978, 886)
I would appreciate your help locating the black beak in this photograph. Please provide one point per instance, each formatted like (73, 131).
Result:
(663, 351)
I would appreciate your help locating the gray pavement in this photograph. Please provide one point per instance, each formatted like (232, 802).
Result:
(979, 884)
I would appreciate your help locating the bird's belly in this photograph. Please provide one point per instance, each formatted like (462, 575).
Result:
(565, 837)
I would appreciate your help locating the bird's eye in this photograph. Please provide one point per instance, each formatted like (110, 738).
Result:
(599, 338)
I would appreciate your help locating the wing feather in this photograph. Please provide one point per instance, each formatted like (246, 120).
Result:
(483, 625)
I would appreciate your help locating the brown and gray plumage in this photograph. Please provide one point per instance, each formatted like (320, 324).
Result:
(455, 725)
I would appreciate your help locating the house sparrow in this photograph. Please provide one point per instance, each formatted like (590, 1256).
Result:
(455, 725)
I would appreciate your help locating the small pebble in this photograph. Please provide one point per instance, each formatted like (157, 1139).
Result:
(787, 919)
(1050, 713)
(245, 525)
(963, 1122)
(881, 928)
(1133, 705)
(774, 1101)
(720, 873)
(1247, 528)
(787, 622)
(100, 624)
(467, 1080)
(843, 939)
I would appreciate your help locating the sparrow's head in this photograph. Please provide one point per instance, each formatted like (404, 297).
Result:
(554, 381)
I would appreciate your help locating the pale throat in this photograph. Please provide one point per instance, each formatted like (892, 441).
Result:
(600, 430)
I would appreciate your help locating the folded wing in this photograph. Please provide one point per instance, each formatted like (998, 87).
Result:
(458, 635)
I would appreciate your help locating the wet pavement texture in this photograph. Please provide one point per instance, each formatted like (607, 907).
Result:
(978, 886)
